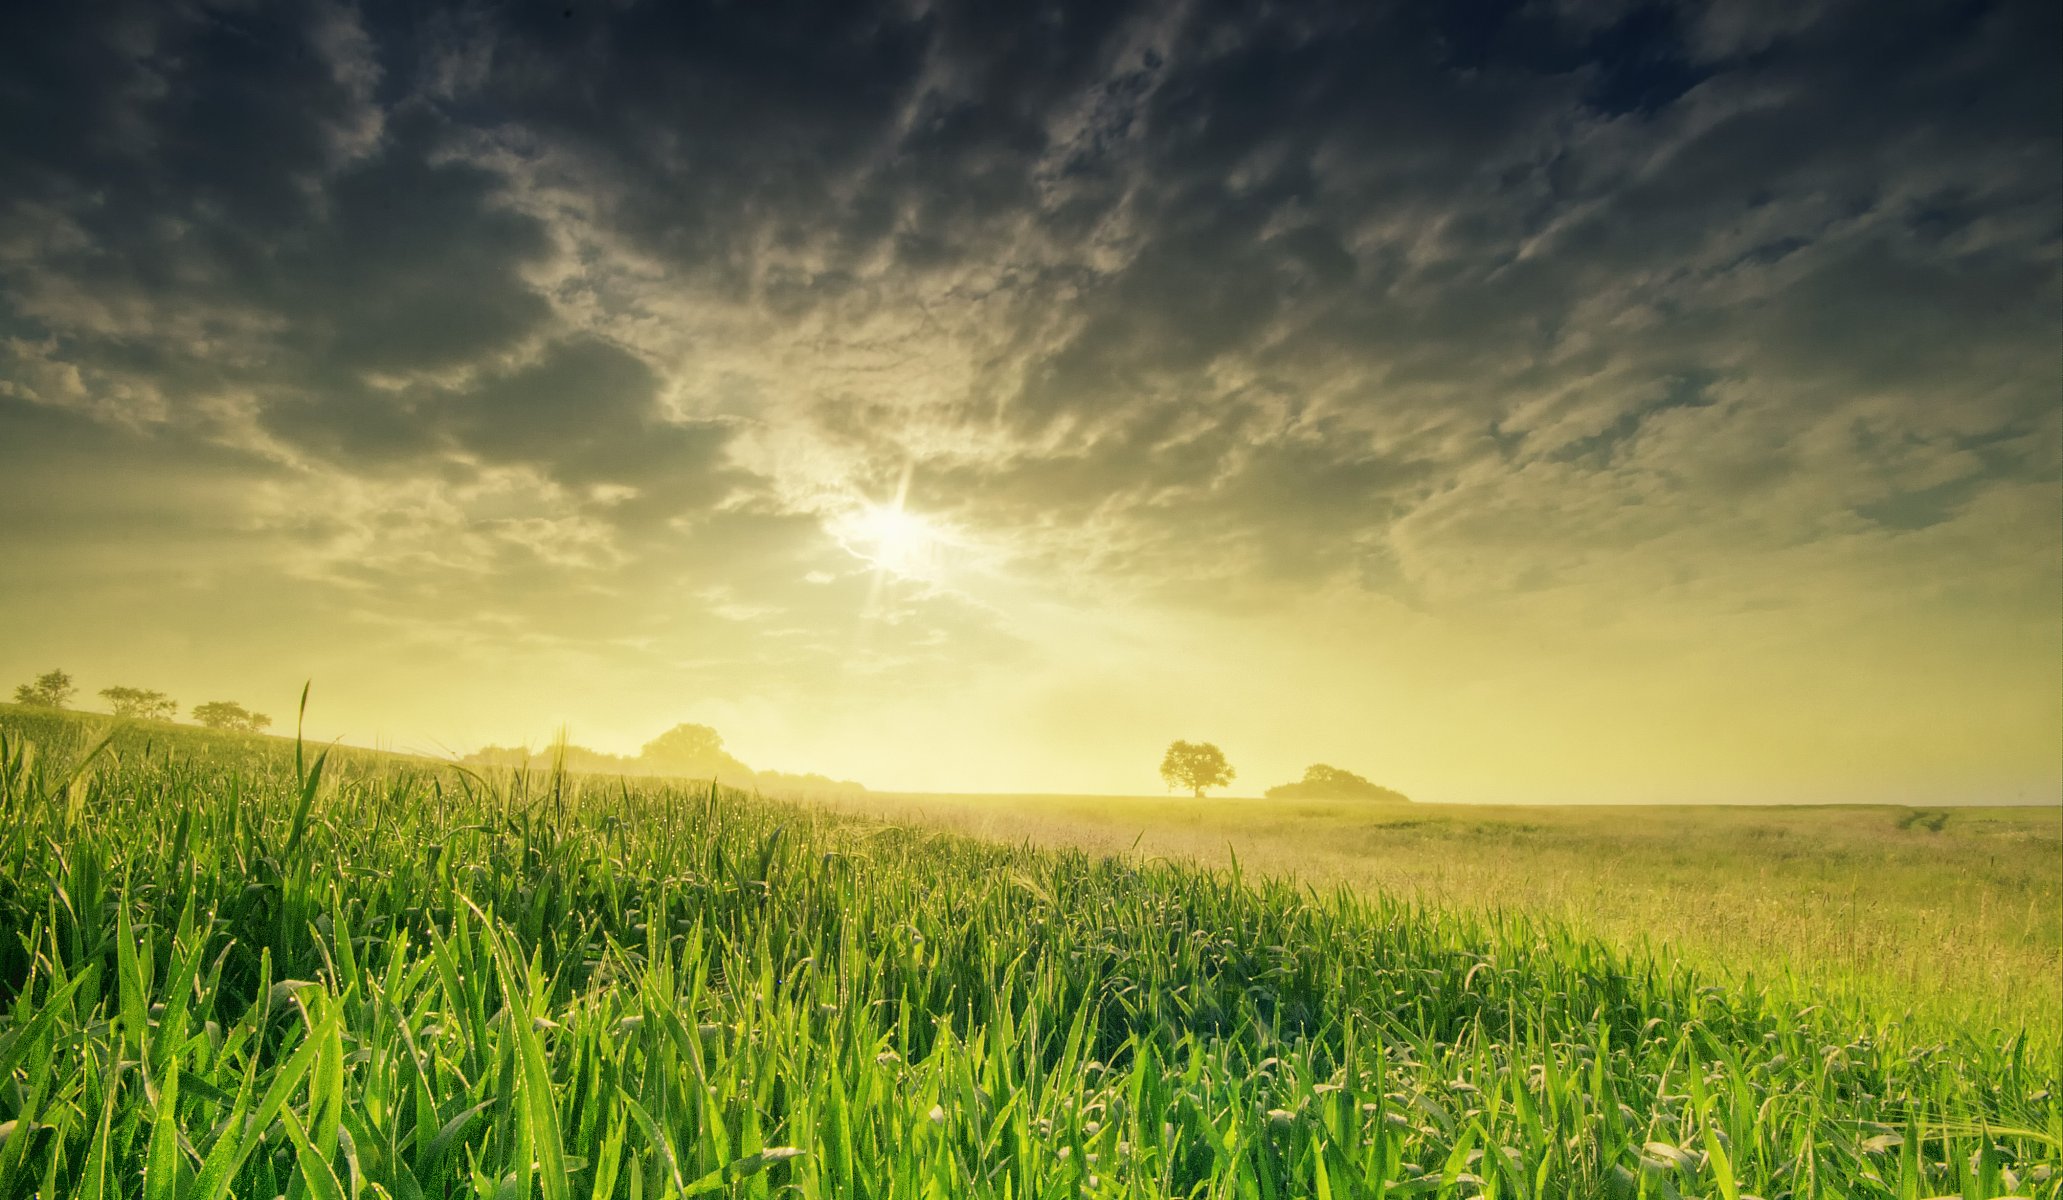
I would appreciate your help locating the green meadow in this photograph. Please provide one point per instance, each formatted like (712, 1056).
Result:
(1956, 913)
(235, 966)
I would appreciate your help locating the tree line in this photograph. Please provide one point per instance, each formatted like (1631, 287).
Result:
(686, 751)
(1200, 766)
(54, 689)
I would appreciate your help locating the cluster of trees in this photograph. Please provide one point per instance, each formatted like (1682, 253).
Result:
(1321, 782)
(51, 689)
(228, 714)
(54, 689)
(685, 751)
(1201, 765)
(141, 703)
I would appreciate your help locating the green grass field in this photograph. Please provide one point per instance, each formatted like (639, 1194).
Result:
(1955, 913)
(228, 971)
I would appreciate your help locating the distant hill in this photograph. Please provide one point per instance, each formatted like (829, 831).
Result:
(685, 751)
(1321, 782)
(65, 731)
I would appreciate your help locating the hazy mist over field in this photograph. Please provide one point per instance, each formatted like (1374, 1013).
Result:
(1573, 401)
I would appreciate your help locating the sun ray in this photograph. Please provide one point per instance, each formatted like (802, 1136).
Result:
(896, 541)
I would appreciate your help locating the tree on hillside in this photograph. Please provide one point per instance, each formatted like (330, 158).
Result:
(52, 689)
(693, 750)
(1196, 766)
(228, 714)
(1322, 782)
(141, 703)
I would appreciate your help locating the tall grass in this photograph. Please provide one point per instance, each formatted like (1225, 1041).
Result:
(228, 970)
(1958, 925)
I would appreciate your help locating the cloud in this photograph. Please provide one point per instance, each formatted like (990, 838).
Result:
(1141, 254)
(1540, 310)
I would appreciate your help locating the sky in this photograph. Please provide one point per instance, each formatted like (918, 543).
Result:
(1562, 402)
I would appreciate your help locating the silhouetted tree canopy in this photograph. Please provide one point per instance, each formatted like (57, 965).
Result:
(1322, 782)
(228, 714)
(141, 703)
(686, 750)
(1196, 766)
(694, 750)
(52, 689)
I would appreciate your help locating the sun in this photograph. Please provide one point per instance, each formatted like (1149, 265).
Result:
(894, 539)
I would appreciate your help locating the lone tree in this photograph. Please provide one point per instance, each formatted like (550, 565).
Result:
(141, 703)
(1196, 766)
(228, 714)
(52, 689)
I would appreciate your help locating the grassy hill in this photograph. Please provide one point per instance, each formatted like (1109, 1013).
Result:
(226, 972)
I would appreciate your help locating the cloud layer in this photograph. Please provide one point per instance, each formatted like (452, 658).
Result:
(1499, 344)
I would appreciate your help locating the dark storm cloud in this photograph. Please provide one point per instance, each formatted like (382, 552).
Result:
(713, 134)
(211, 206)
(1532, 254)
(1244, 287)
